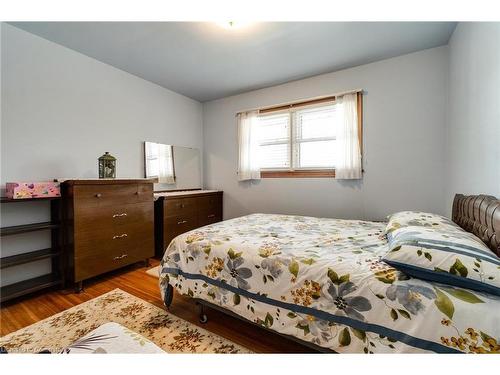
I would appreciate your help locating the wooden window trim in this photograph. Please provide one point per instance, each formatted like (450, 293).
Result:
(310, 173)
(314, 173)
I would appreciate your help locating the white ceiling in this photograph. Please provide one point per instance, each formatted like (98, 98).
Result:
(205, 61)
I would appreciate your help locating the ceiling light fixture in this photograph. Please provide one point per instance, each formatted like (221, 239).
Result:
(233, 25)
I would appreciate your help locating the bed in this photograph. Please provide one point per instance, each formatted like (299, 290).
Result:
(322, 281)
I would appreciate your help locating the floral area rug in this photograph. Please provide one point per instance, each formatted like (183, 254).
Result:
(172, 334)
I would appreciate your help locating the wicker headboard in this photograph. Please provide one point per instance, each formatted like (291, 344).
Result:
(480, 215)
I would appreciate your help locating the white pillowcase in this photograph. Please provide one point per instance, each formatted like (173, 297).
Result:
(431, 247)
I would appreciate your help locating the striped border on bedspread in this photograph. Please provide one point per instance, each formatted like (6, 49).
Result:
(375, 328)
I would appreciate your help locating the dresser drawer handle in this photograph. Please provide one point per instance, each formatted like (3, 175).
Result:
(98, 195)
(182, 222)
(211, 216)
(120, 236)
(120, 257)
(120, 215)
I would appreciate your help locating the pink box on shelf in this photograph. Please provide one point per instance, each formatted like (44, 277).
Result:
(25, 190)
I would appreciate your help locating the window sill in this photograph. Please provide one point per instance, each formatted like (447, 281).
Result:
(312, 173)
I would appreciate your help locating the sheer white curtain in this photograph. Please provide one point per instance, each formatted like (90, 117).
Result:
(348, 157)
(165, 165)
(248, 161)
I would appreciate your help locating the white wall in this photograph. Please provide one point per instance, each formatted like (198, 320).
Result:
(473, 132)
(61, 110)
(404, 136)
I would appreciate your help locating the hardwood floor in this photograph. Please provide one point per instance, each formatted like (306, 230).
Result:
(134, 280)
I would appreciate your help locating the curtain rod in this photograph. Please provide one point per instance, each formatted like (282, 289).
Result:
(300, 101)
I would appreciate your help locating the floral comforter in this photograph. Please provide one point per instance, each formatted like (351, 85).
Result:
(322, 281)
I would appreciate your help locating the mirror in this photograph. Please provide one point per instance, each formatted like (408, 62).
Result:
(175, 167)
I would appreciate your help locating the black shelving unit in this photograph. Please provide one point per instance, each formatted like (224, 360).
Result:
(55, 253)
(18, 229)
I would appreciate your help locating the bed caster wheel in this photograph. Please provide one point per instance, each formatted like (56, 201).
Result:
(203, 317)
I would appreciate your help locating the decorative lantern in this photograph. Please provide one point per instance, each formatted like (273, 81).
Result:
(107, 166)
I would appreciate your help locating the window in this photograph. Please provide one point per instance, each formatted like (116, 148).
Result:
(300, 140)
(320, 137)
(274, 141)
(315, 137)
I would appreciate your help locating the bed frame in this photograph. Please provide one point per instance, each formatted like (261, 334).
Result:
(477, 214)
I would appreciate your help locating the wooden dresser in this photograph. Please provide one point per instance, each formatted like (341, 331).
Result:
(180, 212)
(107, 224)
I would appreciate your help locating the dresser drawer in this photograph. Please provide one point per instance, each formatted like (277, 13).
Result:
(209, 217)
(109, 195)
(94, 218)
(209, 202)
(173, 226)
(95, 239)
(179, 206)
(97, 263)
(209, 209)
(180, 224)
